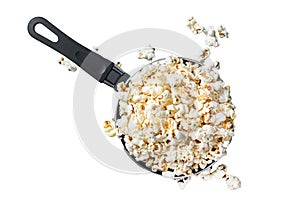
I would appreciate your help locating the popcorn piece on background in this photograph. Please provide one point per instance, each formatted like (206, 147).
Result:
(233, 182)
(211, 41)
(204, 54)
(109, 128)
(194, 26)
(67, 64)
(210, 31)
(147, 53)
(222, 32)
(220, 172)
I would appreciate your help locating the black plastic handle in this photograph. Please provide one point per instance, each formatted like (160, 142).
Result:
(95, 65)
(65, 45)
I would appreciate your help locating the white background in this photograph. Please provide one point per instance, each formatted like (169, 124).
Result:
(41, 156)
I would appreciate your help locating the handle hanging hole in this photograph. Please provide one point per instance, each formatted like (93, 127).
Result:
(45, 32)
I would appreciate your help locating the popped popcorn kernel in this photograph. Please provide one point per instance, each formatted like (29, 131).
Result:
(194, 26)
(70, 66)
(233, 182)
(204, 54)
(222, 32)
(109, 128)
(147, 53)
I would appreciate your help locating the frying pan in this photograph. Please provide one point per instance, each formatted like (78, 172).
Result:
(100, 68)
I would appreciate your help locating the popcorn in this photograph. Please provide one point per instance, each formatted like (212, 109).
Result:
(233, 182)
(121, 87)
(147, 53)
(204, 54)
(211, 41)
(123, 96)
(70, 67)
(222, 32)
(164, 96)
(109, 128)
(179, 135)
(171, 107)
(147, 90)
(225, 95)
(136, 98)
(210, 32)
(194, 26)
(171, 156)
(218, 118)
(220, 172)
(176, 117)
(174, 79)
(168, 174)
(217, 85)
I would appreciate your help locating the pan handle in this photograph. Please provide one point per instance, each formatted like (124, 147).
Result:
(95, 65)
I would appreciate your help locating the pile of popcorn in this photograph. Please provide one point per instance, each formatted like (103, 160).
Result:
(176, 116)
